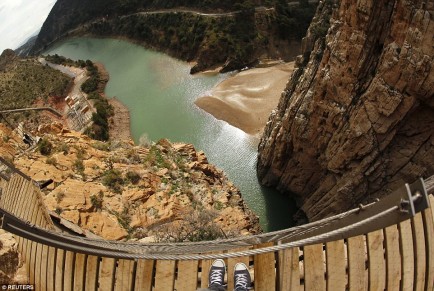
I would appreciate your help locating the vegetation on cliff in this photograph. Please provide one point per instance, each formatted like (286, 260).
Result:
(24, 81)
(233, 36)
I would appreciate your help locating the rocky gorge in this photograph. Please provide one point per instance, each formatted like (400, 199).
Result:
(357, 117)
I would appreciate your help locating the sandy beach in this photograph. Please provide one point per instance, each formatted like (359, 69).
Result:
(246, 99)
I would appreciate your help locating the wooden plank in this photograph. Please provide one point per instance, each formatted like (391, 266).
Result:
(27, 205)
(23, 209)
(3, 200)
(187, 275)
(231, 262)
(23, 251)
(30, 244)
(51, 263)
(32, 262)
(18, 193)
(34, 210)
(107, 271)
(24, 199)
(68, 276)
(91, 273)
(407, 255)
(165, 275)
(40, 218)
(79, 271)
(420, 252)
(7, 197)
(38, 279)
(314, 268)
(428, 219)
(144, 275)
(393, 258)
(11, 191)
(356, 263)
(289, 270)
(44, 267)
(205, 266)
(336, 264)
(124, 275)
(60, 268)
(377, 265)
(21, 199)
(265, 270)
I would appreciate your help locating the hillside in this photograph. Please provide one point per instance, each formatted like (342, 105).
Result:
(25, 82)
(157, 191)
(357, 117)
(228, 34)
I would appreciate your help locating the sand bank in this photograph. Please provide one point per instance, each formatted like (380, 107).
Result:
(246, 99)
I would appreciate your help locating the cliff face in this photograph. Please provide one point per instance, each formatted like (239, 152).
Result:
(357, 117)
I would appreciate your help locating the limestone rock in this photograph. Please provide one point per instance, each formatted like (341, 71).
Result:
(121, 191)
(10, 260)
(357, 117)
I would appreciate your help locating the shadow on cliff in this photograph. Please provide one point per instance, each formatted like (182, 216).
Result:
(279, 208)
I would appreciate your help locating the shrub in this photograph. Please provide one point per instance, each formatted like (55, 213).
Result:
(90, 85)
(79, 166)
(59, 196)
(133, 177)
(96, 200)
(197, 226)
(63, 147)
(51, 161)
(45, 147)
(113, 179)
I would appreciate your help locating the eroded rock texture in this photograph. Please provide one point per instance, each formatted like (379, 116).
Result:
(357, 117)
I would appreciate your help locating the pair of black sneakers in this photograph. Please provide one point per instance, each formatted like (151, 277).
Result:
(242, 279)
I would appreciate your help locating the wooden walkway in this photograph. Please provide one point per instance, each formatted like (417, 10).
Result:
(398, 257)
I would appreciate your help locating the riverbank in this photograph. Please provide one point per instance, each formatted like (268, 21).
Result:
(120, 122)
(246, 99)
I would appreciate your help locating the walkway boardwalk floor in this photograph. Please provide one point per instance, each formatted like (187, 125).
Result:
(397, 257)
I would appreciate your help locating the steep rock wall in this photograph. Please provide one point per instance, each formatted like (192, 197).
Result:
(357, 117)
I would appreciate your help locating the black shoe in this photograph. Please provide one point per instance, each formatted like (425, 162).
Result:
(217, 273)
(242, 278)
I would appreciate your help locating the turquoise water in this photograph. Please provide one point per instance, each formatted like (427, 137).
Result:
(160, 93)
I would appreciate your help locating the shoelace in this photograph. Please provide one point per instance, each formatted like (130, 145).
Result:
(241, 281)
(216, 277)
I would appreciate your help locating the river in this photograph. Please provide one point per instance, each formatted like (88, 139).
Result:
(160, 93)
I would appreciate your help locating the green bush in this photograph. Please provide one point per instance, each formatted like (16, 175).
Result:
(97, 200)
(133, 177)
(79, 166)
(51, 161)
(90, 85)
(113, 180)
(45, 147)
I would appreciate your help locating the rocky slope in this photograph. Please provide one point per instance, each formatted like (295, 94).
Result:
(25, 82)
(117, 190)
(11, 264)
(357, 118)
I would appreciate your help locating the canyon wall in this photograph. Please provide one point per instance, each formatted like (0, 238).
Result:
(357, 117)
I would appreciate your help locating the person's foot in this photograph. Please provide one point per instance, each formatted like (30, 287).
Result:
(242, 278)
(217, 273)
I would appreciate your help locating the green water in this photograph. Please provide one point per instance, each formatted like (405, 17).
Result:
(160, 93)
